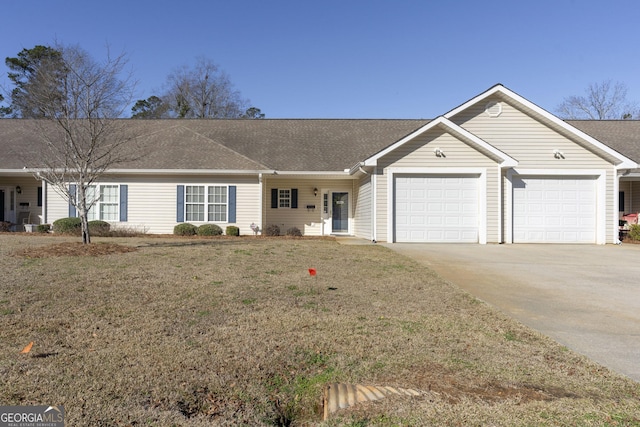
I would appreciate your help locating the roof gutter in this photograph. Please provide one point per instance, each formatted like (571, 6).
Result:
(359, 167)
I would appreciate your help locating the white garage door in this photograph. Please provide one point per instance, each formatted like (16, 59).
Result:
(436, 208)
(554, 210)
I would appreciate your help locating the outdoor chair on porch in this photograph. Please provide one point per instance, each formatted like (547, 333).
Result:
(23, 219)
(625, 224)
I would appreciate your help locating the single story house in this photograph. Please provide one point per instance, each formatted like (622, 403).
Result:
(495, 169)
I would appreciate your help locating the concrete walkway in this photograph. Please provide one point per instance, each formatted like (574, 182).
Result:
(586, 297)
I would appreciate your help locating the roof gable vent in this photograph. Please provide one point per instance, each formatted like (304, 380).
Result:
(493, 109)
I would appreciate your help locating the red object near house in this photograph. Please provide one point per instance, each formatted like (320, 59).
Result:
(312, 271)
(631, 218)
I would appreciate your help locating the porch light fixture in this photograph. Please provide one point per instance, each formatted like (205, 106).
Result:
(18, 190)
(558, 154)
(439, 152)
(315, 191)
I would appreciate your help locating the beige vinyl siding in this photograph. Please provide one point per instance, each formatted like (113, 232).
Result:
(57, 205)
(308, 221)
(363, 211)
(532, 144)
(612, 210)
(28, 197)
(631, 190)
(625, 187)
(634, 203)
(419, 153)
(152, 201)
(505, 208)
(526, 139)
(632, 195)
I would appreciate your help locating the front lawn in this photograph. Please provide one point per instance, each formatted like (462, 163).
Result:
(200, 332)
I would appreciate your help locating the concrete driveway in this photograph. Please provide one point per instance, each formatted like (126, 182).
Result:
(586, 297)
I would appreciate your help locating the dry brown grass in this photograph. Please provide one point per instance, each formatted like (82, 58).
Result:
(195, 332)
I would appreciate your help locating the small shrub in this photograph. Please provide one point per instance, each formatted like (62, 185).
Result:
(43, 228)
(131, 231)
(5, 226)
(232, 230)
(294, 232)
(209, 230)
(99, 228)
(272, 230)
(634, 232)
(71, 225)
(185, 229)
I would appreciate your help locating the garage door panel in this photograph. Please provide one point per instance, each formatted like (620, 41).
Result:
(441, 209)
(554, 210)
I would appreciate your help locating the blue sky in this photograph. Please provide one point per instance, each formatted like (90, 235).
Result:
(351, 59)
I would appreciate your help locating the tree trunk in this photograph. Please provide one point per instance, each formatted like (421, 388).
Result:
(83, 211)
(86, 237)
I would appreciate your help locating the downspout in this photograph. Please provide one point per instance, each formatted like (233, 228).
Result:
(45, 202)
(374, 204)
(500, 206)
(616, 214)
(261, 200)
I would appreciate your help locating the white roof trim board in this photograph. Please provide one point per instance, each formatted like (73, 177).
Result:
(507, 161)
(624, 162)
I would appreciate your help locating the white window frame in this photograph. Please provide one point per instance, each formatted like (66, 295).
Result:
(284, 198)
(208, 207)
(211, 205)
(95, 212)
(191, 216)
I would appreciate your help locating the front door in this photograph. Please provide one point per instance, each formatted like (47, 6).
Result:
(1, 205)
(340, 212)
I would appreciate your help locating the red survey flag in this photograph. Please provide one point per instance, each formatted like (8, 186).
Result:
(312, 271)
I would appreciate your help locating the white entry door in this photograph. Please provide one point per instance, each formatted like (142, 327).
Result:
(554, 209)
(436, 208)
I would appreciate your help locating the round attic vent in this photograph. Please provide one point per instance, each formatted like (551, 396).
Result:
(493, 109)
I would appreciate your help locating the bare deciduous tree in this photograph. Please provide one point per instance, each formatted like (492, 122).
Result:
(602, 101)
(80, 134)
(203, 91)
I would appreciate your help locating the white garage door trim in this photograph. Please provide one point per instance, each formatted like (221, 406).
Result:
(600, 180)
(480, 173)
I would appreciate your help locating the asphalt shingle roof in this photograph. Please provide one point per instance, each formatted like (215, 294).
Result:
(277, 144)
(272, 144)
(621, 135)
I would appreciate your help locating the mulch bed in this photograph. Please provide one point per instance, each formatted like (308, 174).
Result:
(74, 249)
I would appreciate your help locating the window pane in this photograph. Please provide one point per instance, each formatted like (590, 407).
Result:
(108, 212)
(217, 206)
(218, 213)
(90, 194)
(284, 198)
(91, 215)
(217, 194)
(194, 194)
(109, 193)
(195, 212)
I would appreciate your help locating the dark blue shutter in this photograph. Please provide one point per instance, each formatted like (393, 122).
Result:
(232, 204)
(274, 198)
(294, 198)
(123, 202)
(72, 196)
(180, 204)
(40, 196)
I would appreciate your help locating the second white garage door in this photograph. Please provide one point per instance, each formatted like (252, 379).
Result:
(554, 210)
(436, 208)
